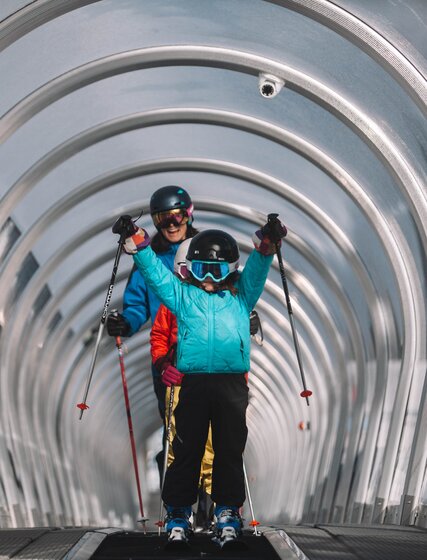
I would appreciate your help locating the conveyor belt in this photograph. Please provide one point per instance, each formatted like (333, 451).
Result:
(151, 546)
(311, 542)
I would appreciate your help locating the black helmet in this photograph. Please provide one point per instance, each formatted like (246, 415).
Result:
(211, 247)
(171, 197)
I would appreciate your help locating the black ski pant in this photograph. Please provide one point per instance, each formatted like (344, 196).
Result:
(219, 399)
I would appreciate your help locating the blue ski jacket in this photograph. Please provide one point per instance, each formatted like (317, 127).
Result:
(139, 302)
(213, 328)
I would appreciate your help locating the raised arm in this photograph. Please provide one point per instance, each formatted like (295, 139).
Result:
(254, 275)
(157, 276)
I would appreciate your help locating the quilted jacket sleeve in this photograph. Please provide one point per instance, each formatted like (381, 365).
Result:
(253, 278)
(159, 278)
(163, 333)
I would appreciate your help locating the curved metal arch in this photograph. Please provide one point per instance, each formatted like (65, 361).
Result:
(385, 228)
(329, 464)
(103, 394)
(406, 177)
(276, 367)
(370, 41)
(17, 252)
(395, 238)
(43, 430)
(178, 115)
(234, 170)
(113, 129)
(284, 423)
(278, 425)
(268, 130)
(67, 144)
(53, 305)
(34, 15)
(338, 19)
(321, 463)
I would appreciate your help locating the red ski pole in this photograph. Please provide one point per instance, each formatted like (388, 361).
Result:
(131, 436)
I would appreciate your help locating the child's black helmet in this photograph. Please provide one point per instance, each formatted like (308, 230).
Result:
(213, 245)
(169, 198)
(212, 253)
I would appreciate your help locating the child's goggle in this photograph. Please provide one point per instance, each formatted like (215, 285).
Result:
(201, 270)
(175, 217)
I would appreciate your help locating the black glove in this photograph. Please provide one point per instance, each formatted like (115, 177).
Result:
(253, 322)
(117, 325)
(255, 327)
(274, 229)
(125, 226)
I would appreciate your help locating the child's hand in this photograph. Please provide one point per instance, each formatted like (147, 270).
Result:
(171, 376)
(266, 238)
(274, 229)
(138, 241)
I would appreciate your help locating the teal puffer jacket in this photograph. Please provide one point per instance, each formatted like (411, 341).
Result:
(213, 328)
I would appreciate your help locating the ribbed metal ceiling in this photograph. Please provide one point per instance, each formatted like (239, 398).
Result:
(103, 102)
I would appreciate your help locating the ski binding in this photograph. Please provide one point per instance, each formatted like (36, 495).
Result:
(177, 539)
(229, 540)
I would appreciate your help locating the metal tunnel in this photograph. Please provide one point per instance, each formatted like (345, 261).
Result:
(312, 109)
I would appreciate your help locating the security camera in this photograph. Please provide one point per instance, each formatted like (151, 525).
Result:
(269, 85)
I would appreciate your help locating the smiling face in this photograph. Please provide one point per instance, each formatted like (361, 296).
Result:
(174, 233)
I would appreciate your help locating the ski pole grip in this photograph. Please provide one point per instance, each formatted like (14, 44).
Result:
(274, 229)
(124, 226)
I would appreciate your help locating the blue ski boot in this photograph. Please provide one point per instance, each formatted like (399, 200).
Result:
(228, 525)
(178, 523)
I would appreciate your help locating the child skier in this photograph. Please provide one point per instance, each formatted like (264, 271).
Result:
(163, 340)
(212, 310)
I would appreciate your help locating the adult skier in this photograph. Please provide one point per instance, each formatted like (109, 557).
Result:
(171, 209)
